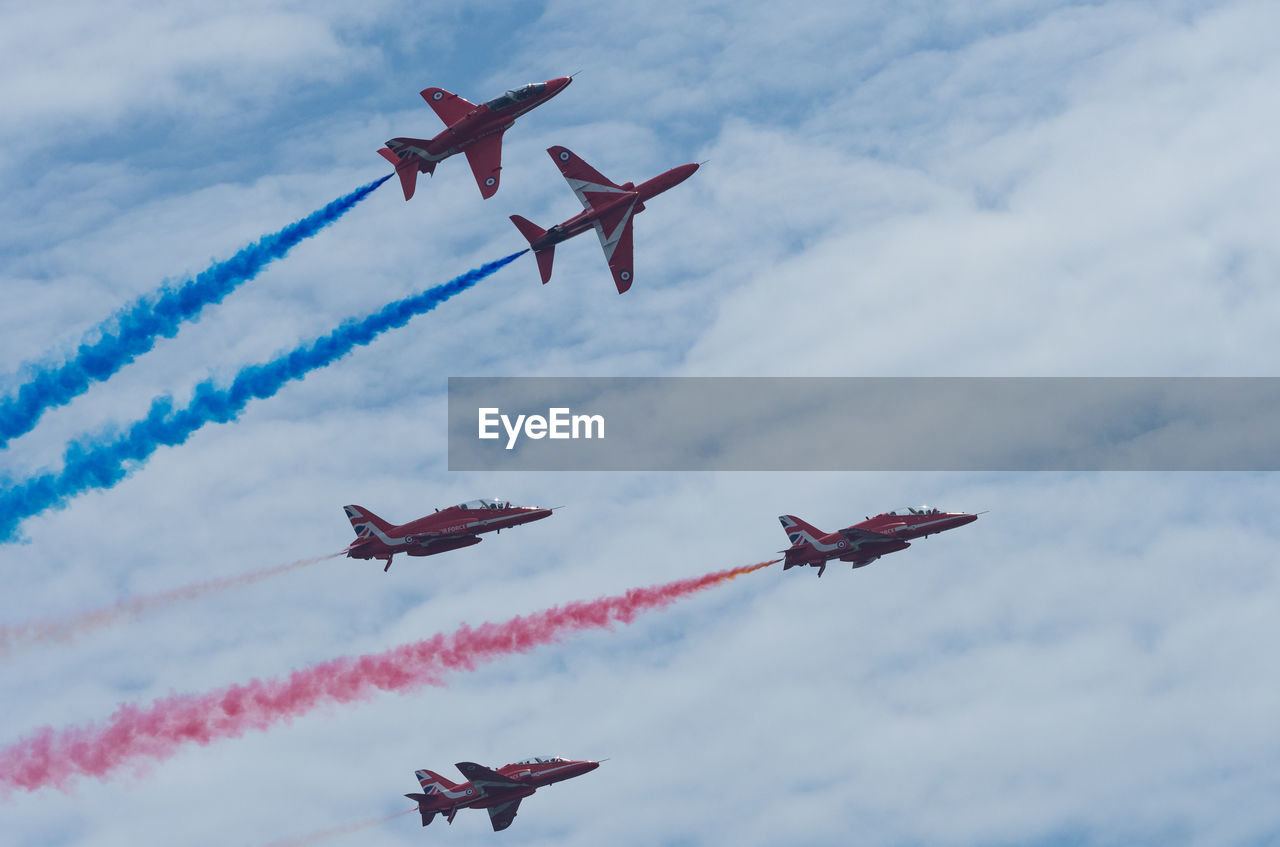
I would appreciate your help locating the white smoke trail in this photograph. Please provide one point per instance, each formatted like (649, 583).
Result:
(333, 832)
(68, 627)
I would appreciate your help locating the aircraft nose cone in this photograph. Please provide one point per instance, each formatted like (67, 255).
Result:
(675, 176)
(559, 82)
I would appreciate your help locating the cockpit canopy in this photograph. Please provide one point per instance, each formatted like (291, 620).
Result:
(484, 503)
(540, 760)
(516, 95)
(915, 510)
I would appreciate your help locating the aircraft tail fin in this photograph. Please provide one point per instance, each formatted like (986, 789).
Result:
(407, 168)
(803, 537)
(364, 522)
(433, 782)
(798, 531)
(545, 256)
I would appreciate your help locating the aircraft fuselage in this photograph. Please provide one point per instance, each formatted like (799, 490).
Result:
(863, 543)
(638, 194)
(447, 529)
(499, 790)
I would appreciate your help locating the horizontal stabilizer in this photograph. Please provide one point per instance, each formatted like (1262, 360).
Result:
(545, 256)
(545, 259)
(530, 230)
(406, 169)
(428, 815)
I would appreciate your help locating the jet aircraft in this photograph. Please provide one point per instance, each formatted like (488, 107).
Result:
(863, 543)
(475, 131)
(445, 529)
(498, 791)
(607, 207)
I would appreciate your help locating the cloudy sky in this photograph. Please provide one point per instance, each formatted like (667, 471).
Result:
(998, 189)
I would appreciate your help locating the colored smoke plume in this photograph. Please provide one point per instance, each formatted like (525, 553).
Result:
(333, 832)
(101, 462)
(133, 330)
(67, 627)
(137, 734)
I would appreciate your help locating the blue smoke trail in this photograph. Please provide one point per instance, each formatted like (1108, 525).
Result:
(103, 462)
(133, 330)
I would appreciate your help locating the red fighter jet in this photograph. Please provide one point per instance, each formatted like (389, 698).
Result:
(498, 791)
(608, 208)
(863, 543)
(470, 129)
(446, 529)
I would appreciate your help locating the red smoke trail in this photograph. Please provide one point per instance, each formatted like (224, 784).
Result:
(332, 832)
(49, 757)
(69, 627)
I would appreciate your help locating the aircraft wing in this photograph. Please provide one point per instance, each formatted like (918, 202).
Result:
(429, 536)
(863, 536)
(485, 159)
(448, 106)
(430, 545)
(502, 816)
(485, 778)
(427, 539)
(592, 188)
(614, 230)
